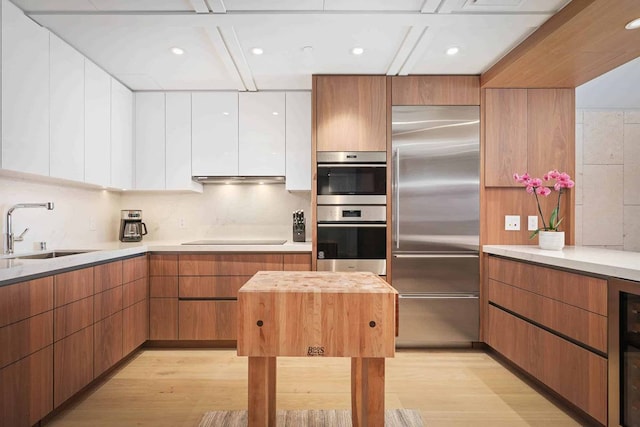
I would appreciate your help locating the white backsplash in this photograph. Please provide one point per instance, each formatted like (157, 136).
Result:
(221, 211)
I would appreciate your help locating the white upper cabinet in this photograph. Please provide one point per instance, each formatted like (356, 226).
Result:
(121, 136)
(214, 133)
(298, 133)
(262, 134)
(97, 125)
(66, 122)
(25, 93)
(178, 142)
(150, 141)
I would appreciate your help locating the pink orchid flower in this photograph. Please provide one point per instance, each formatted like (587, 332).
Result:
(529, 189)
(536, 182)
(564, 177)
(543, 191)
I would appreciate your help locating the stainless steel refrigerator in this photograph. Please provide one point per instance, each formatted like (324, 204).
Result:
(436, 215)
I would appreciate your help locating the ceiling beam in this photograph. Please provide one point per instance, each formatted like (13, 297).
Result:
(430, 6)
(234, 47)
(199, 6)
(418, 51)
(582, 41)
(225, 56)
(406, 48)
(217, 6)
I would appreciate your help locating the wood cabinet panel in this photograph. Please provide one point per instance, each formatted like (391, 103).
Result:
(135, 326)
(26, 388)
(505, 136)
(573, 322)
(211, 286)
(207, 320)
(435, 90)
(134, 268)
(297, 262)
(163, 265)
(107, 276)
(135, 291)
(351, 113)
(163, 318)
(163, 286)
(25, 337)
(551, 130)
(589, 293)
(70, 318)
(72, 364)
(72, 286)
(107, 303)
(577, 374)
(228, 264)
(25, 299)
(108, 343)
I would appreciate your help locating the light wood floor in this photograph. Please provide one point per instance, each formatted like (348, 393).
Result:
(175, 387)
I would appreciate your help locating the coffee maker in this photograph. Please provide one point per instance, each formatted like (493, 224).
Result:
(131, 226)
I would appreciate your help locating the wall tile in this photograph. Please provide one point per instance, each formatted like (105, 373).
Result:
(603, 137)
(579, 163)
(632, 164)
(632, 228)
(632, 116)
(580, 116)
(602, 200)
(578, 225)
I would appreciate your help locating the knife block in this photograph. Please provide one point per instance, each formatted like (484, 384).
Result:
(299, 232)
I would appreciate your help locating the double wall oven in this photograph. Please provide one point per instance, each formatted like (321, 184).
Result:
(351, 212)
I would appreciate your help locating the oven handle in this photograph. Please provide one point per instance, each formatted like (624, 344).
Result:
(415, 256)
(351, 225)
(352, 165)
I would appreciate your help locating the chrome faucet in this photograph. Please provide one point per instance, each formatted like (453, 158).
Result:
(10, 239)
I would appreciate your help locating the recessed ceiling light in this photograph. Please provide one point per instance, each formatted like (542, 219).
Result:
(177, 51)
(257, 51)
(633, 24)
(225, 113)
(452, 50)
(357, 51)
(307, 49)
(275, 113)
(261, 183)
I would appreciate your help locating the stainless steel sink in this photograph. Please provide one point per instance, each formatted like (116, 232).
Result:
(52, 254)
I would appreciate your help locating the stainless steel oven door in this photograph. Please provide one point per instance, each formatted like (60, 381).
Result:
(343, 183)
(352, 247)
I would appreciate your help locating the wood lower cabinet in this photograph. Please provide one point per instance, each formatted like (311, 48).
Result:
(108, 343)
(296, 262)
(134, 268)
(26, 387)
(228, 264)
(72, 317)
(163, 319)
(135, 326)
(107, 276)
(25, 337)
(211, 286)
(163, 286)
(25, 299)
(208, 320)
(163, 301)
(72, 364)
(72, 286)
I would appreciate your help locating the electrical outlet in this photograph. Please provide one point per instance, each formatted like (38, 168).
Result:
(512, 222)
(182, 223)
(92, 224)
(532, 222)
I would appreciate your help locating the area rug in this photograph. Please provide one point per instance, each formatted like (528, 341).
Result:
(312, 418)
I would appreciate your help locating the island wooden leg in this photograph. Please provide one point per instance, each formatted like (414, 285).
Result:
(367, 392)
(262, 391)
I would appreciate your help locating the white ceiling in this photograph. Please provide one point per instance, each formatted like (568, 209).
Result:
(131, 38)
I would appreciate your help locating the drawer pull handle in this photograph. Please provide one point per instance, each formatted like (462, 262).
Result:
(260, 323)
(372, 324)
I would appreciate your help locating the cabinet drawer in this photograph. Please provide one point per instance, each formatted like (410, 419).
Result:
(107, 303)
(163, 286)
(26, 388)
(575, 373)
(163, 265)
(72, 364)
(134, 268)
(586, 292)
(228, 264)
(107, 276)
(581, 325)
(70, 318)
(211, 286)
(26, 299)
(107, 350)
(72, 286)
(135, 326)
(25, 337)
(135, 291)
(163, 318)
(207, 320)
(297, 262)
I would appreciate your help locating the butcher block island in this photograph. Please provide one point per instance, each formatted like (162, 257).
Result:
(317, 314)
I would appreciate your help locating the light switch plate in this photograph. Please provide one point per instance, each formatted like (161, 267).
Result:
(512, 222)
(532, 222)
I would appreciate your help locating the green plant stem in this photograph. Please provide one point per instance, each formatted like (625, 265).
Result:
(558, 208)
(539, 209)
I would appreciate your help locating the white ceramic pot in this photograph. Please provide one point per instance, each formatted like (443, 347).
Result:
(551, 240)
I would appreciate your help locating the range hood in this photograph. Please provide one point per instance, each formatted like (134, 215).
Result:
(239, 179)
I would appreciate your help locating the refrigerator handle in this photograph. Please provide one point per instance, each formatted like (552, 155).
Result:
(416, 256)
(396, 191)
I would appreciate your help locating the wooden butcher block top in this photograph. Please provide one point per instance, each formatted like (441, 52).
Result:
(316, 314)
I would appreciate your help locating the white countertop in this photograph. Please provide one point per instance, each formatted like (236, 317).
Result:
(607, 262)
(12, 268)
